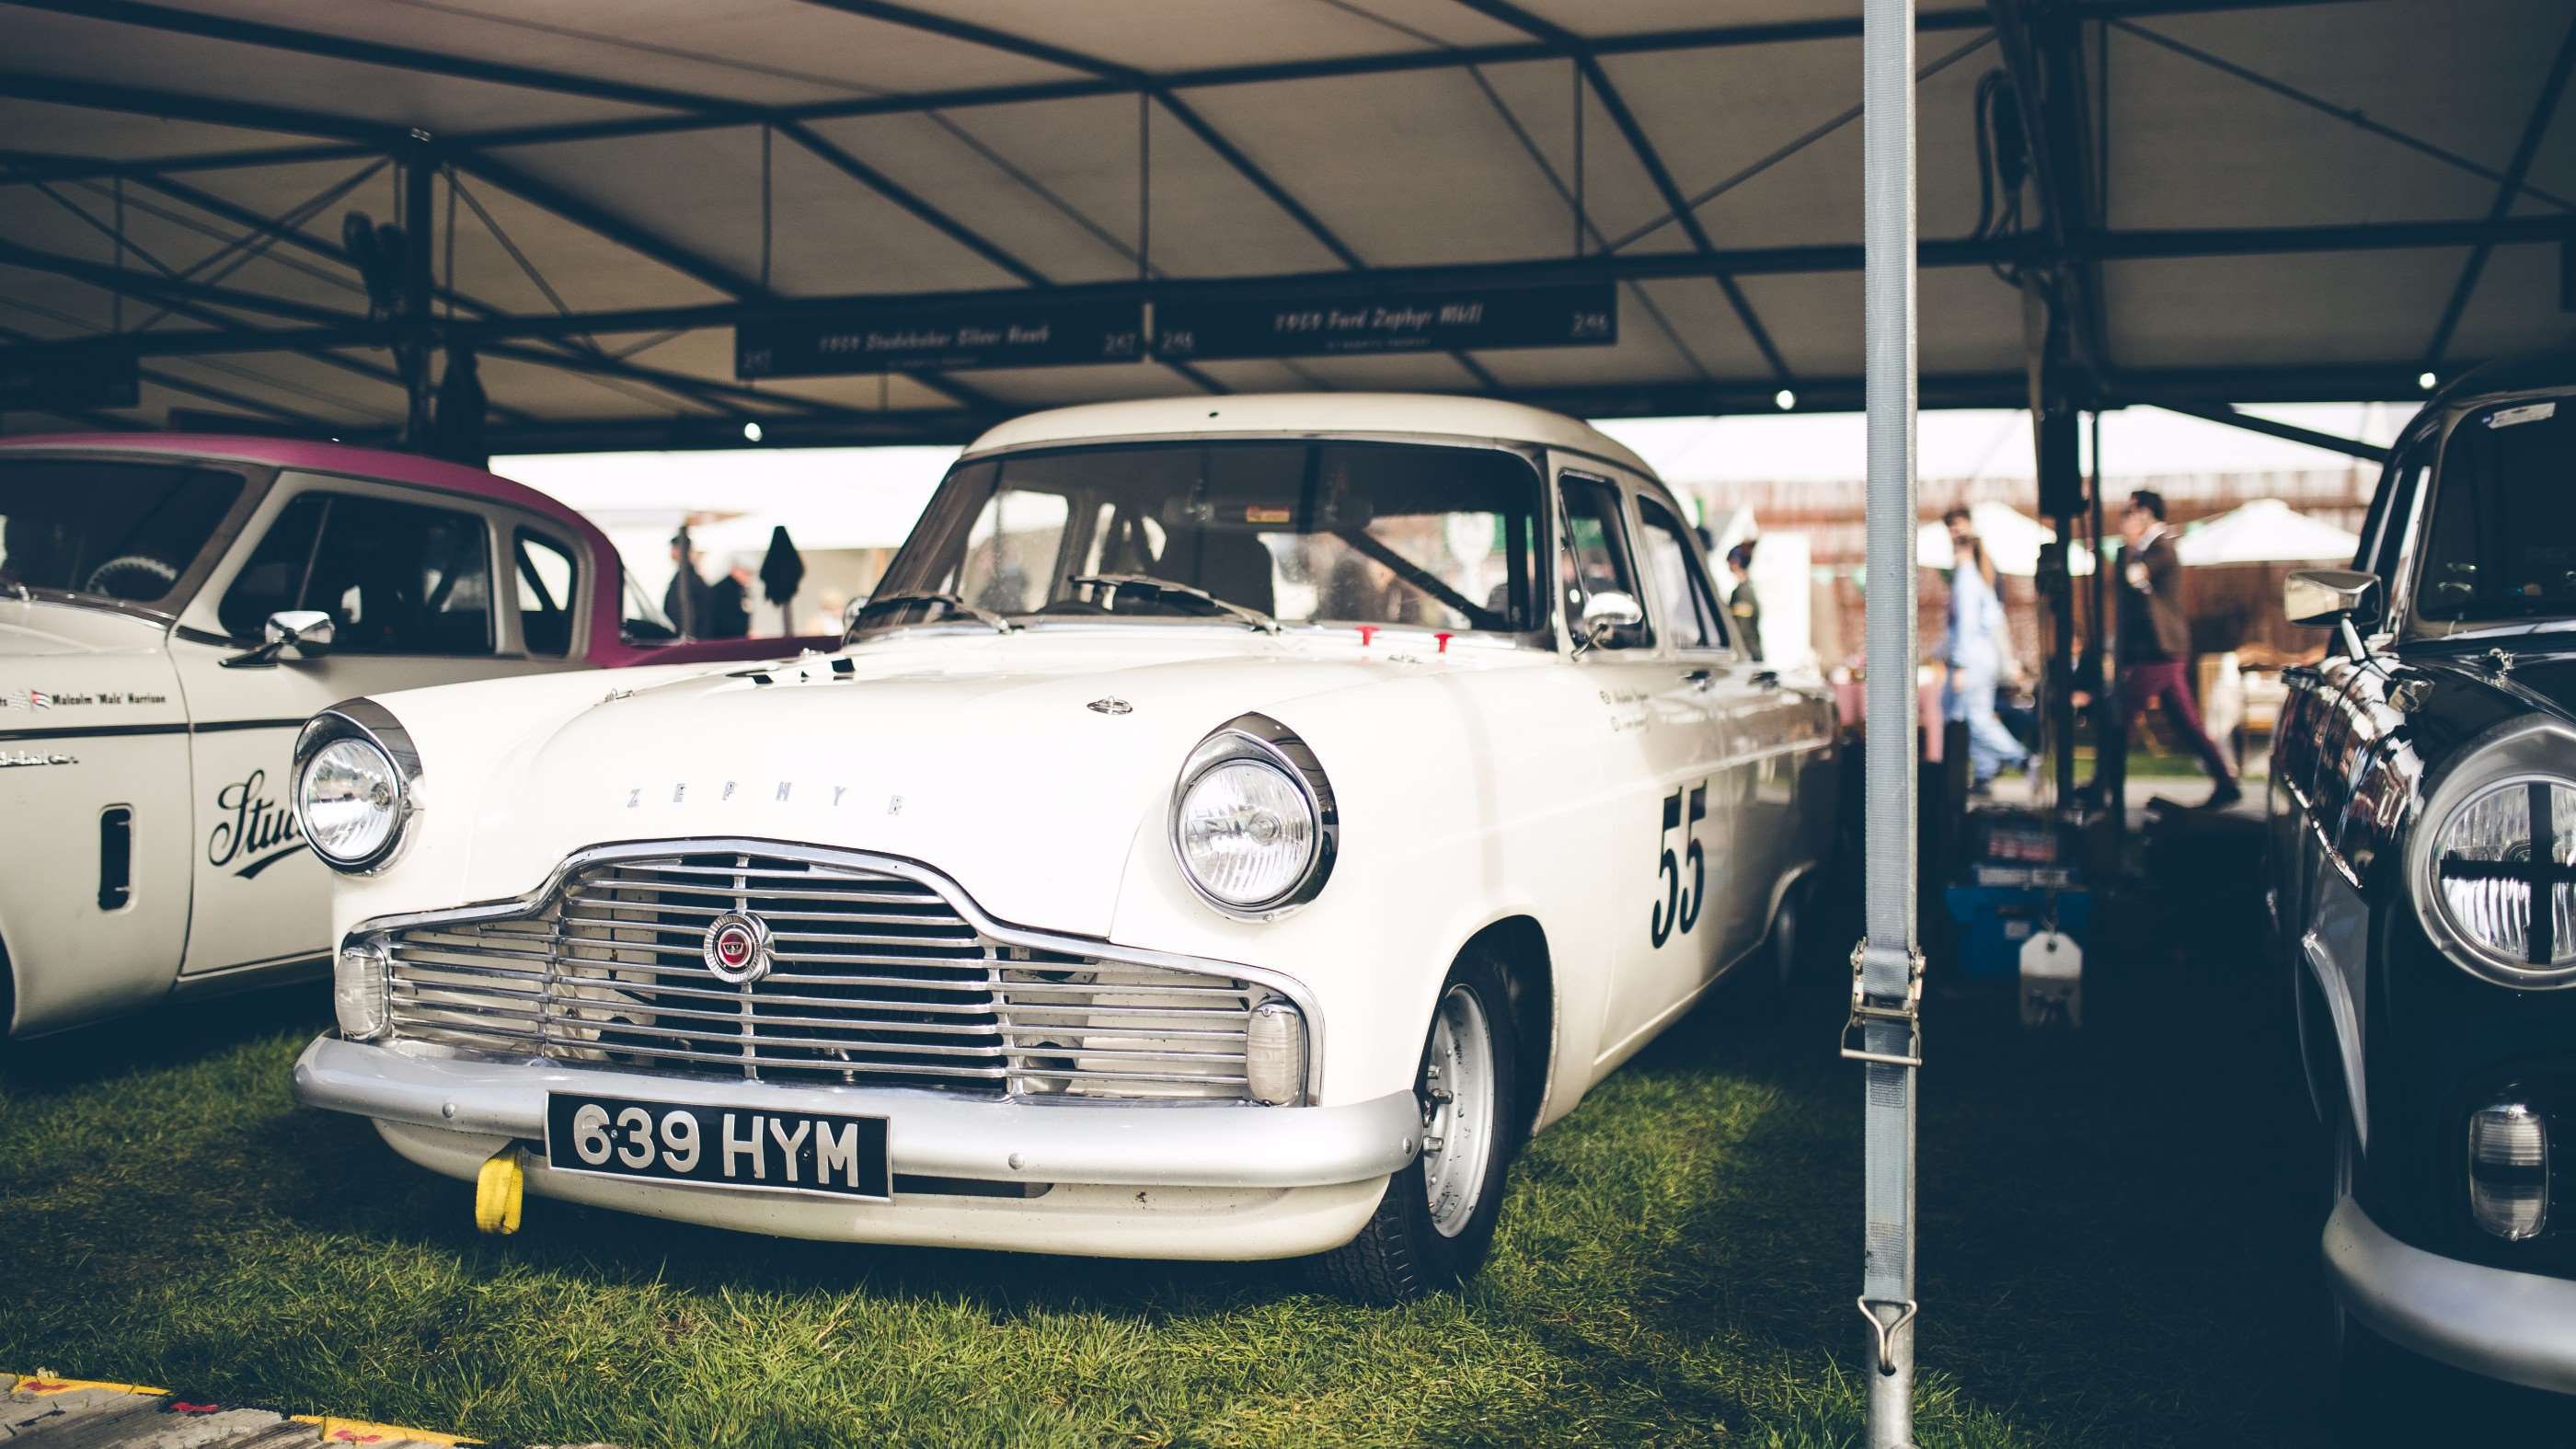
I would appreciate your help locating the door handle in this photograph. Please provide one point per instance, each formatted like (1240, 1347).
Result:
(1699, 677)
(1766, 678)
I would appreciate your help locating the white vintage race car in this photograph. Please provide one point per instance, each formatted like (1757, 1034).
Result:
(172, 609)
(1232, 826)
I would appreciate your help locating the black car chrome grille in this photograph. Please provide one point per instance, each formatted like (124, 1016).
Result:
(875, 980)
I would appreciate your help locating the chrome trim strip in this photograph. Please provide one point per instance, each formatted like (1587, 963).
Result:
(948, 891)
(1187, 1144)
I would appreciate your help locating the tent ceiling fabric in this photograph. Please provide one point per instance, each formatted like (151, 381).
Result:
(610, 160)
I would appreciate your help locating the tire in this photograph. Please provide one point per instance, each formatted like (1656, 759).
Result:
(1788, 937)
(1414, 1246)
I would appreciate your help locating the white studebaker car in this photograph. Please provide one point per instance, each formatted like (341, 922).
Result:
(172, 610)
(1233, 825)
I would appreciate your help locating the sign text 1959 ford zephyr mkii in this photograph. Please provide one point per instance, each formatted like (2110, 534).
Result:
(1230, 829)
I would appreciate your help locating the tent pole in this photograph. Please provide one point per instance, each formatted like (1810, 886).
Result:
(1887, 968)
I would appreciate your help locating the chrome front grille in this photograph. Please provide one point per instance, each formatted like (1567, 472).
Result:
(875, 980)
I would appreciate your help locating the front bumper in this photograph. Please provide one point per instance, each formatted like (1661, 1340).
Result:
(2518, 1327)
(1212, 1180)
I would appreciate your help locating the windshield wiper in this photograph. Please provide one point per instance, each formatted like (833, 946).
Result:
(1152, 585)
(950, 602)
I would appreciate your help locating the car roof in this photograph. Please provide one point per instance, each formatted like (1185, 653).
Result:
(2511, 375)
(1310, 413)
(377, 463)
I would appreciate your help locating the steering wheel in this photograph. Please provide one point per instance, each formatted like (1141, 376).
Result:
(141, 566)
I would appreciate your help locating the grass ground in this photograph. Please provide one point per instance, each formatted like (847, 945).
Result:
(2107, 1260)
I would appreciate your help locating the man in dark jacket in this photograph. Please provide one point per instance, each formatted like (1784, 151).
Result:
(2155, 639)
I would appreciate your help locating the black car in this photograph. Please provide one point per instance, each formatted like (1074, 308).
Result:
(2423, 800)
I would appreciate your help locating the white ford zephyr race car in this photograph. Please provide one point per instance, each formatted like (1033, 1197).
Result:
(1231, 828)
(172, 609)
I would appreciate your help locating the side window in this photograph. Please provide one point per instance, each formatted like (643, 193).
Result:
(397, 578)
(1596, 560)
(1685, 607)
(273, 578)
(2384, 532)
(546, 593)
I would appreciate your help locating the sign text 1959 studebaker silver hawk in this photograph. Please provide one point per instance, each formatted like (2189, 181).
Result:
(172, 609)
(1230, 829)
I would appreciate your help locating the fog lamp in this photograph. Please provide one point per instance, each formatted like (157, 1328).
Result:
(358, 991)
(1274, 1055)
(2509, 1170)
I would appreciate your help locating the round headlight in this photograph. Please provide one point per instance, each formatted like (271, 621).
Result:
(1247, 833)
(2502, 877)
(350, 801)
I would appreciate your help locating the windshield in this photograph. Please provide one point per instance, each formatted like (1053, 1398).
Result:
(1304, 532)
(2502, 544)
(120, 530)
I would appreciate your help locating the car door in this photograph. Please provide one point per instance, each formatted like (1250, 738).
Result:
(1655, 762)
(1750, 812)
(409, 579)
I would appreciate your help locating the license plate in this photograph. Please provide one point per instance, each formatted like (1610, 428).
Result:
(761, 1151)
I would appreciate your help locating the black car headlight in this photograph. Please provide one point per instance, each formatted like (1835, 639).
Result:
(2494, 860)
(1253, 821)
(357, 784)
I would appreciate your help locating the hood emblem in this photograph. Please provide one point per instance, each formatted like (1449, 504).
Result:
(736, 948)
(1110, 705)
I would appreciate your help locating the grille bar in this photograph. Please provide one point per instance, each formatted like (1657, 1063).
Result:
(876, 979)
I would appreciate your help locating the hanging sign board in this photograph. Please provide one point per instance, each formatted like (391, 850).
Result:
(947, 337)
(1316, 324)
(77, 377)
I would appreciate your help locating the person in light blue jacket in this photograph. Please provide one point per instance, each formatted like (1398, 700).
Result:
(1978, 652)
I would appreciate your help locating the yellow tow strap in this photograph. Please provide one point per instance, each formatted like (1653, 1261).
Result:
(497, 1192)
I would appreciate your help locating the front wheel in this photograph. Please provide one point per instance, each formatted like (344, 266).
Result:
(1435, 1224)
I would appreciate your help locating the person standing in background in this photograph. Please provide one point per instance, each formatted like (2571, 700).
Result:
(1744, 604)
(1976, 651)
(2155, 641)
(686, 601)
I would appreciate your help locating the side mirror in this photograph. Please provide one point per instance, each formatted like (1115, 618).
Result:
(850, 613)
(1613, 620)
(303, 633)
(2326, 598)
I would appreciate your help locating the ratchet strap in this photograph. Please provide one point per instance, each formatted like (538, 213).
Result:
(1886, 1018)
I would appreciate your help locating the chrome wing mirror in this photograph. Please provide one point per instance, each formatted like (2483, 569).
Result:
(1613, 620)
(2344, 600)
(292, 633)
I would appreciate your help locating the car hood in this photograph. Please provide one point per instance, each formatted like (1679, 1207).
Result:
(45, 626)
(1025, 766)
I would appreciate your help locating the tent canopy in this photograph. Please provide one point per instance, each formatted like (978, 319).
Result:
(2264, 200)
(2265, 530)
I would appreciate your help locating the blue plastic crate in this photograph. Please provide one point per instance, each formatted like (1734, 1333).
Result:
(1995, 920)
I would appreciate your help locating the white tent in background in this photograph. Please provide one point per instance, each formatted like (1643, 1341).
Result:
(2012, 540)
(2266, 530)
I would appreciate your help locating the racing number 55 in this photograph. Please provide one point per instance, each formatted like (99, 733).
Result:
(1681, 903)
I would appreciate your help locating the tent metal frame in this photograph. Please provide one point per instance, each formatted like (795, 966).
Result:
(2041, 40)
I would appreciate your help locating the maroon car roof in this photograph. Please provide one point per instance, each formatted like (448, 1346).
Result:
(379, 463)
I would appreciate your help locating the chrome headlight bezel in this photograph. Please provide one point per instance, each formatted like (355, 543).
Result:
(372, 724)
(2532, 751)
(1262, 740)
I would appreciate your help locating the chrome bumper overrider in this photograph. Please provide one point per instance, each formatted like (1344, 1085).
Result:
(931, 1134)
(2518, 1327)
